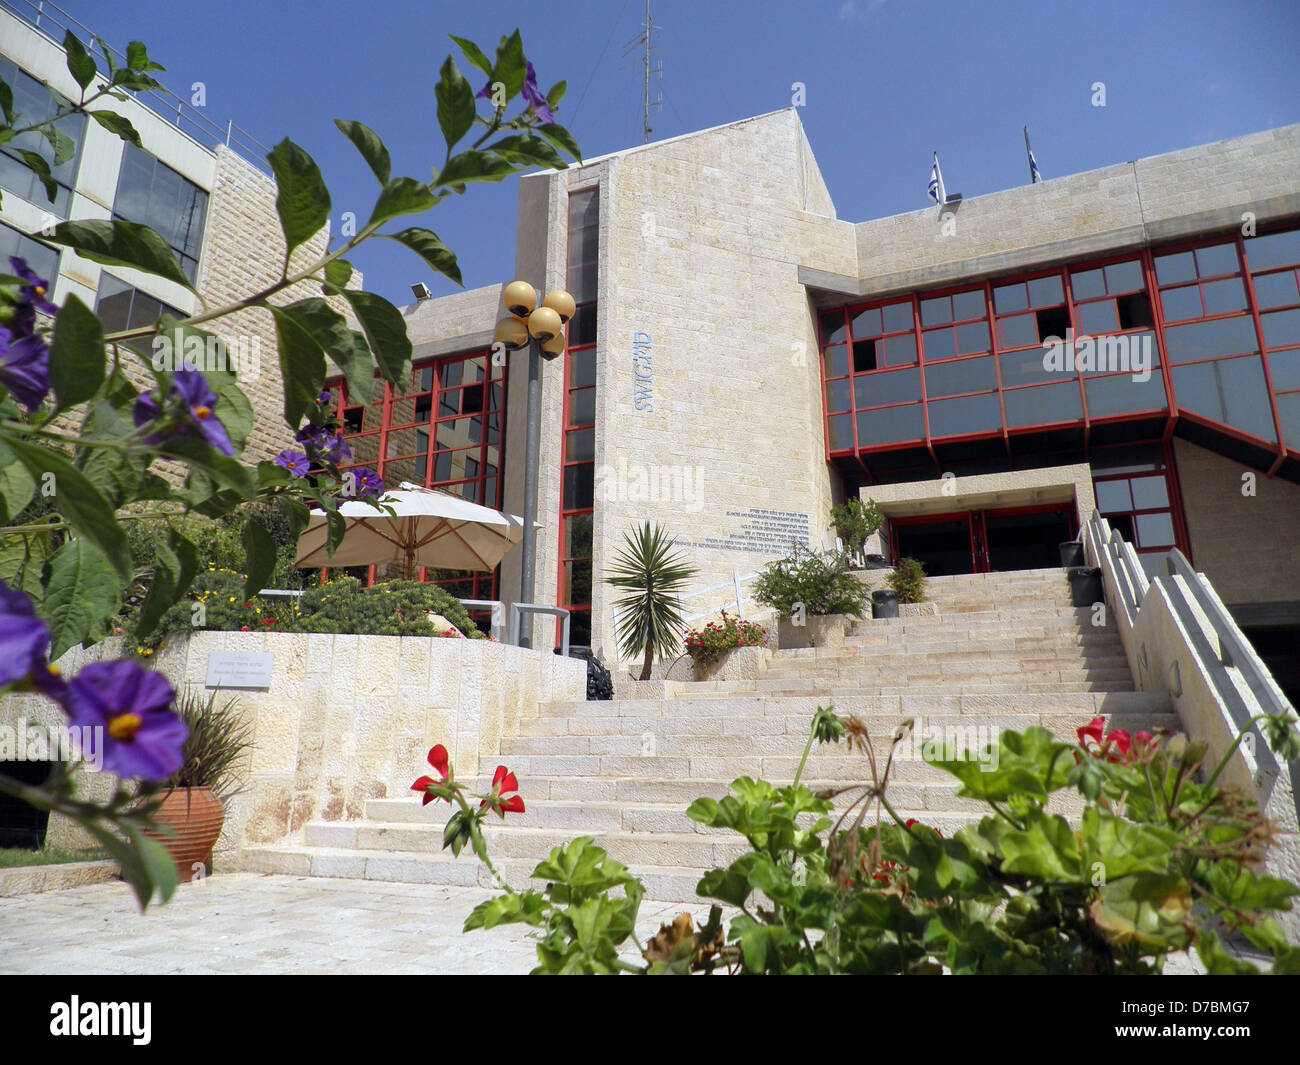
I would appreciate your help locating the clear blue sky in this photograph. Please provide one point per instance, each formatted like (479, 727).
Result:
(888, 81)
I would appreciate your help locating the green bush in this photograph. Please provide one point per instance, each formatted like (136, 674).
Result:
(219, 735)
(908, 580)
(821, 585)
(855, 522)
(394, 608)
(708, 644)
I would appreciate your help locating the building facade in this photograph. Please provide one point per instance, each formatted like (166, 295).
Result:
(988, 372)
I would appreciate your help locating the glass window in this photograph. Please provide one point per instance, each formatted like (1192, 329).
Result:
(1098, 317)
(579, 486)
(867, 324)
(1008, 298)
(582, 406)
(882, 389)
(972, 338)
(1208, 340)
(957, 378)
(1273, 249)
(1154, 530)
(1284, 370)
(836, 360)
(1026, 367)
(1088, 284)
(1181, 304)
(1124, 277)
(840, 429)
(969, 304)
(1113, 496)
(1123, 394)
(1046, 291)
(580, 445)
(965, 416)
(1224, 297)
(40, 257)
(1230, 391)
(936, 311)
(838, 395)
(1288, 413)
(1281, 328)
(1217, 260)
(834, 331)
(1043, 406)
(897, 317)
(900, 350)
(1149, 493)
(939, 344)
(582, 326)
(34, 103)
(891, 425)
(1277, 290)
(1173, 269)
(1018, 330)
(120, 306)
(152, 194)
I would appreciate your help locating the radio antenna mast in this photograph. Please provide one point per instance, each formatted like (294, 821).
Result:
(645, 41)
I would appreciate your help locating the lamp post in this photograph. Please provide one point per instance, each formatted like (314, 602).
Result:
(541, 328)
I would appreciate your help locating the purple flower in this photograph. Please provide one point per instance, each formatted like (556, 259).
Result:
(33, 292)
(25, 367)
(25, 645)
(198, 401)
(325, 399)
(141, 737)
(368, 484)
(293, 461)
(323, 446)
(536, 101)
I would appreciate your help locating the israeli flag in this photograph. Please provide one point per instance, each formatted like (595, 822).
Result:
(936, 189)
(1034, 174)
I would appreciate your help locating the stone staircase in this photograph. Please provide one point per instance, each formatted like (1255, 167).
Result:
(1004, 651)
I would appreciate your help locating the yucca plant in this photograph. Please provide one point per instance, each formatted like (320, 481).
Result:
(649, 620)
(218, 737)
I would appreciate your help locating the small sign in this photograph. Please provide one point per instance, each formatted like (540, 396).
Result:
(238, 669)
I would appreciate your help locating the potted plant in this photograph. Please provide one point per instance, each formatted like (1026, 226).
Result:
(714, 648)
(906, 585)
(855, 522)
(648, 616)
(193, 803)
(814, 597)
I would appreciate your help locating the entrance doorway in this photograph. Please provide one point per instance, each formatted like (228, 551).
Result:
(984, 541)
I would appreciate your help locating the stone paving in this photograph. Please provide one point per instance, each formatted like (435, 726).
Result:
(255, 923)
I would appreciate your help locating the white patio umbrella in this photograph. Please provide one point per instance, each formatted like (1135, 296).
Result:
(426, 528)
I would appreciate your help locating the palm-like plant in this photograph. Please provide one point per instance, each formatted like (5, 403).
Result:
(649, 620)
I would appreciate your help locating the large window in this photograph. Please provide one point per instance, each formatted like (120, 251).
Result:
(444, 431)
(34, 102)
(120, 306)
(1075, 355)
(155, 195)
(1135, 494)
(579, 463)
(40, 257)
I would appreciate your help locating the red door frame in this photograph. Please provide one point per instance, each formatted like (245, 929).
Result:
(976, 528)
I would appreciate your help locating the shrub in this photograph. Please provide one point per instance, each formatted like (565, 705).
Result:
(649, 615)
(821, 585)
(394, 608)
(707, 645)
(855, 522)
(908, 580)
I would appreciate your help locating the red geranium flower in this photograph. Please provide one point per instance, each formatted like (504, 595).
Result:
(503, 800)
(438, 758)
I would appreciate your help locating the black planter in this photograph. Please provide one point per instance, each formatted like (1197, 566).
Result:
(884, 603)
(1071, 553)
(1085, 586)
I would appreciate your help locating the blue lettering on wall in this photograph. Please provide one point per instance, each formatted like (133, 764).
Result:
(642, 373)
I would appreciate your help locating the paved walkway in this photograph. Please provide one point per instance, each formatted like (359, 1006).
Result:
(254, 923)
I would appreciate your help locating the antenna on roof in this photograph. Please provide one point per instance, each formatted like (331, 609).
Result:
(645, 40)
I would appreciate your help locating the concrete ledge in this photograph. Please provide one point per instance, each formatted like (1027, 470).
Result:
(32, 879)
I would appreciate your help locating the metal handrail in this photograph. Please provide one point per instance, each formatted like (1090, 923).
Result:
(517, 609)
(162, 101)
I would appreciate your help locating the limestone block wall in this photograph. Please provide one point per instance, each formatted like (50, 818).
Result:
(346, 719)
(1248, 545)
(701, 240)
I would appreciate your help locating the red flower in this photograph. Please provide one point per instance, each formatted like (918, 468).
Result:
(1091, 731)
(244, 628)
(439, 760)
(503, 800)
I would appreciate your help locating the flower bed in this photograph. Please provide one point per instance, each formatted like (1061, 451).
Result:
(707, 645)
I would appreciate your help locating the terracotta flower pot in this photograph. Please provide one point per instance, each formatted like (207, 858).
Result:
(196, 815)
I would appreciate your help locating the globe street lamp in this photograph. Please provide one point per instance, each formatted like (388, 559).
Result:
(542, 329)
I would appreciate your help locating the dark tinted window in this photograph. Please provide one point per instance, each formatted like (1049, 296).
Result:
(152, 194)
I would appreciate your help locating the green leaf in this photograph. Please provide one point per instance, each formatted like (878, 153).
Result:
(175, 563)
(473, 53)
(456, 105)
(37, 164)
(114, 243)
(338, 272)
(372, 149)
(1148, 909)
(385, 330)
(1123, 847)
(259, 547)
(561, 138)
(64, 146)
(159, 864)
(80, 65)
(118, 125)
(474, 166)
(525, 907)
(330, 331)
(79, 501)
(302, 200)
(222, 469)
(81, 592)
(77, 354)
(16, 486)
(402, 196)
(302, 366)
(730, 885)
(7, 101)
(137, 58)
(361, 373)
(556, 93)
(527, 150)
(511, 66)
(22, 557)
(429, 247)
(1046, 848)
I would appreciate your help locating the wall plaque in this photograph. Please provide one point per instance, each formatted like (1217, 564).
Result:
(239, 669)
